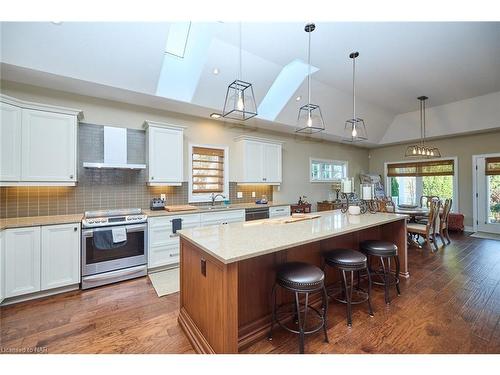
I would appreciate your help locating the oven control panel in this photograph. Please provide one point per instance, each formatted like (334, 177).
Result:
(93, 222)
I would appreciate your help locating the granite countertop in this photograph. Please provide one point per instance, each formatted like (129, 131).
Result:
(31, 221)
(219, 207)
(238, 241)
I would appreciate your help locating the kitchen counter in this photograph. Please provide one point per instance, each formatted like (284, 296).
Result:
(227, 272)
(239, 241)
(218, 208)
(32, 221)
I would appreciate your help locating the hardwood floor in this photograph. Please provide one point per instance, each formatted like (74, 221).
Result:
(450, 304)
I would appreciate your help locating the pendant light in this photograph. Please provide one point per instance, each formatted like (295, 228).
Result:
(421, 150)
(240, 99)
(354, 127)
(310, 119)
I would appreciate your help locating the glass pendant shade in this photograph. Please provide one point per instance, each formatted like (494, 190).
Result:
(421, 150)
(310, 118)
(354, 128)
(240, 101)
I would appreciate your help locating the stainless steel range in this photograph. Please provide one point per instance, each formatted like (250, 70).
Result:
(114, 246)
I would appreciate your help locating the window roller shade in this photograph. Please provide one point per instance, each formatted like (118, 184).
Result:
(208, 170)
(492, 166)
(420, 169)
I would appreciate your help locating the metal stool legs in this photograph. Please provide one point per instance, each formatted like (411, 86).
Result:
(387, 276)
(347, 289)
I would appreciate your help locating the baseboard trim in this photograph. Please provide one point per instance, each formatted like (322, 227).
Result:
(468, 228)
(42, 294)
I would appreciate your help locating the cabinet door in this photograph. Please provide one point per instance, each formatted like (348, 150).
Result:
(2, 268)
(253, 159)
(22, 261)
(60, 255)
(166, 154)
(272, 163)
(48, 146)
(10, 142)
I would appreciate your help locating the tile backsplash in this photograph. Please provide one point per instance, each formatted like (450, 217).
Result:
(104, 189)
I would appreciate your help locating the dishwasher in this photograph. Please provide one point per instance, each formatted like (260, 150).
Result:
(256, 213)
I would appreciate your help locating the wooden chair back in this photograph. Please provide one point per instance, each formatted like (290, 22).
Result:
(428, 199)
(434, 208)
(446, 213)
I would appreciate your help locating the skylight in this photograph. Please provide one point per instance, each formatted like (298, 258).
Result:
(284, 86)
(179, 77)
(178, 35)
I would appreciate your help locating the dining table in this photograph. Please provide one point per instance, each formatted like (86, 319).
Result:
(413, 213)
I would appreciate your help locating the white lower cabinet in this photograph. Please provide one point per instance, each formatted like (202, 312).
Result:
(41, 258)
(60, 256)
(163, 243)
(22, 261)
(279, 211)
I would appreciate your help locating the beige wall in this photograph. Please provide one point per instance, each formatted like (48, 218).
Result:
(296, 153)
(463, 147)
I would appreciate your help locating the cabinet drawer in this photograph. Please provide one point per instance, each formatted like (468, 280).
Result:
(213, 218)
(163, 255)
(279, 211)
(160, 228)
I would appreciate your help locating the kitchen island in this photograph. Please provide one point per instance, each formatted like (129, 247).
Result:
(227, 271)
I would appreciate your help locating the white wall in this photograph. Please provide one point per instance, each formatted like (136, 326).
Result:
(296, 150)
(481, 113)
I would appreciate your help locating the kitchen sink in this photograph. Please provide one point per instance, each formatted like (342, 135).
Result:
(213, 208)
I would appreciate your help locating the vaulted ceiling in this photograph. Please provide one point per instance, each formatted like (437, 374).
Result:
(448, 62)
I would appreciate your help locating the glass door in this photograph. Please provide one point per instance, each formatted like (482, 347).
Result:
(488, 195)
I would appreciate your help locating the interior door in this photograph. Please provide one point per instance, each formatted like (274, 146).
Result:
(488, 199)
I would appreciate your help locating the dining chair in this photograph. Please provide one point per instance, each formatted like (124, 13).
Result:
(443, 221)
(427, 230)
(425, 201)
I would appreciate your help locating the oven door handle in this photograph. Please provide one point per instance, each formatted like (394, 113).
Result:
(130, 229)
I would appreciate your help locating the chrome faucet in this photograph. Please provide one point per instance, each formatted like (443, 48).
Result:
(213, 196)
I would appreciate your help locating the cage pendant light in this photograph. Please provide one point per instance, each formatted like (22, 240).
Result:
(421, 150)
(310, 119)
(354, 127)
(240, 99)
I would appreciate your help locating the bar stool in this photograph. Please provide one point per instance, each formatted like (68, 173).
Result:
(384, 250)
(347, 260)
(300, 278)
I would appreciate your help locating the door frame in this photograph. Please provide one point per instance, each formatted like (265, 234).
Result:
(475, 205)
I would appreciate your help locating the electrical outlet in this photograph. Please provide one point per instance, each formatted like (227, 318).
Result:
(163, 197)
(253, 194)
(239, 194)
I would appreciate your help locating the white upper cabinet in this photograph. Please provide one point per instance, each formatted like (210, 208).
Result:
(10, 142)
(165, 153)
(48, 146)
(257, 161)
(60, 255)
(38, 144)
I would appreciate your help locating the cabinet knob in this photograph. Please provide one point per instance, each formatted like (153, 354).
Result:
(264, 179)
(71, 176)
(152, 178)
(75, 229)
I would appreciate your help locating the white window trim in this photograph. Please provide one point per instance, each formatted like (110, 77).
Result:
(456, 195)
(475, 214)
(311, 159)
(202, 198)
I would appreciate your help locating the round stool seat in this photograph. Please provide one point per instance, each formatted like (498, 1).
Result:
(379, 248)
(300, 276)
(346, 258)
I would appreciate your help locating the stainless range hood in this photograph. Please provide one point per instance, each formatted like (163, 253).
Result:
(115, 151)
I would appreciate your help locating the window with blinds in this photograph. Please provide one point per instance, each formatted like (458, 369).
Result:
(492, 166)
(420, 169)
(208, 170)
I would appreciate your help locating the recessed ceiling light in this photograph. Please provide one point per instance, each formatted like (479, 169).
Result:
(298, 98)
(215, 71)
(56, 22)
(215, 115)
